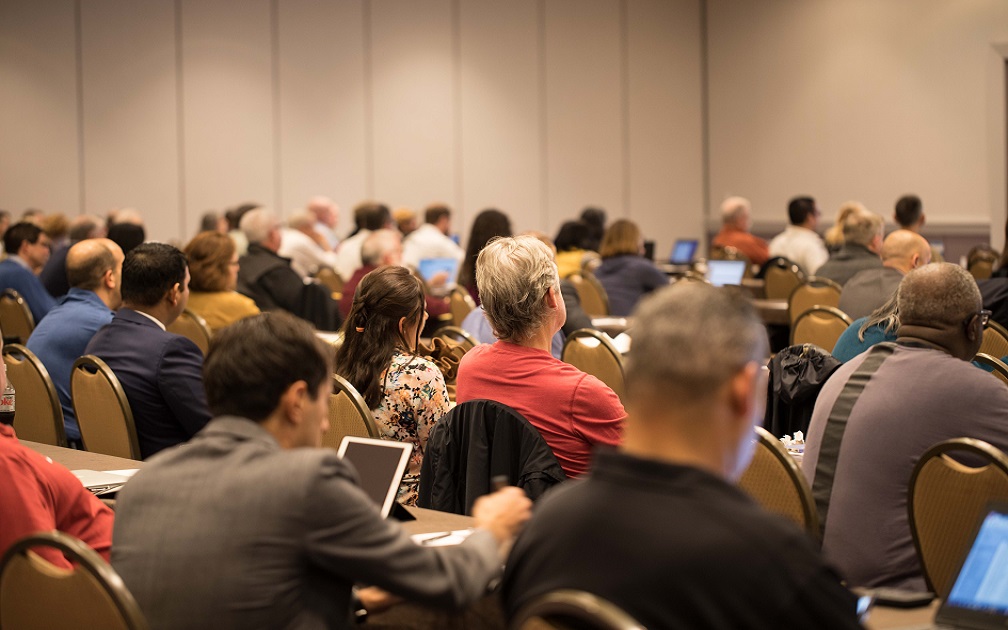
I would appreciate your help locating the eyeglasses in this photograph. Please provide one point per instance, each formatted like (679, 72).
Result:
(984, 316)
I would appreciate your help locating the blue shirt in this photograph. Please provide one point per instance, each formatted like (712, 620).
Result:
(62, 336)
(14, 275)
(477, 325)
(849, 346)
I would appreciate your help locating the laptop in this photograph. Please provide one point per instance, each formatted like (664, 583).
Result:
(380, 467)
(725, 272)
(429, 267)
(979, 597)
(683, 251)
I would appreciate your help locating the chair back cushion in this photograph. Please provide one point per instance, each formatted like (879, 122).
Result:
(812, 293)
(775, 481)
(819, 325)
(192, 327)
(995, 340)
(102, 409)
(348, 415)
(38, 415)
(592, 353)
(16, 320)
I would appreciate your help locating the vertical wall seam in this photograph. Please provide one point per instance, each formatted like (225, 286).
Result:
(180, 119)
(543, 128)
(704, 120)
(79, 35)
(277, 135)
(624, 22)
(456, 26)
(369, 164)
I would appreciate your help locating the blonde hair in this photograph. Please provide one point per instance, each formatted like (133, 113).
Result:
(621, 237)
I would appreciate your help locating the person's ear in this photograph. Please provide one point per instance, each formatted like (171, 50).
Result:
(402, 326)
(552, 298)
(744, 391)
(292, 401)
(975, 329)
(108, 279)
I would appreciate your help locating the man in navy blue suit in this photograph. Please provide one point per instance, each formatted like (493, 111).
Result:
(159, 371)
(28, 249)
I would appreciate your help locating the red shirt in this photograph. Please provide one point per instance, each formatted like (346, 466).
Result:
(754, 248)
(572, 410)
(38, 495)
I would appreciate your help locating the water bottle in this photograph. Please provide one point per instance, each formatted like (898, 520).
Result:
(7, 403)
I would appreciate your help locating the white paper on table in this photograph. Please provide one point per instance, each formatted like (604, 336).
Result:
(441, 539)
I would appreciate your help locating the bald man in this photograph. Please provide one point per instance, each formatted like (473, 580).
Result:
(94, 271)
(902, 251)
(879, 412)
(736, 221)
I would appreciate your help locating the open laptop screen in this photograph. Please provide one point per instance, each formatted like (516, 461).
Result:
(380, 466)
(683, 251)
(982, 583)
(724, 272)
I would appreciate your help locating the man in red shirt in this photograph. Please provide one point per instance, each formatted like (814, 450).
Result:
(38, 495)
(573, 411)
(736, 221)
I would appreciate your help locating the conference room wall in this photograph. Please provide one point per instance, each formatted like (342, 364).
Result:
(538, 107)
(860, 100)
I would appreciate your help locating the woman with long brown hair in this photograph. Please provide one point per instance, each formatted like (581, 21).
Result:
(405, 392)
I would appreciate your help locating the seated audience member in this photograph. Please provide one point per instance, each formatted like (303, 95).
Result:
(488, 224)
(381, 248)
(234, 217)
(5, 223)
(862, 233)
(368, 217)
(834, 236)
(27, 252)
(909, 215)
(571, 244)
(269, 280)
(251, 525)
(94, 269)
(213, 221)
(301, 243)
(879, 412)
(38, 495)
(158, 370)
(213, 268)
(624, 273)
(595, 219)
(405, 392)
(573, 411)
(736, 226)
(126, 228)
(54, 273)
(869, 289)
(432, 239)
(405, 219)
(682, 547)
(865, 332)
(326, 214)
(799, 241)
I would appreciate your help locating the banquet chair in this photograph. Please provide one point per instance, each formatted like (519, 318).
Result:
(775, 481)
(568, 609)
(780, 277)
(39, 416)
(37, 595)
(16, 319)
(460, 304)
(330, 280)
(995, 340)
(945, 501)
(192, 327)
(348, 415)
(458, 336)
(102, 409)
(813, 292)
(997, 367)
(819, 325)
(592, 294)
(593, 353)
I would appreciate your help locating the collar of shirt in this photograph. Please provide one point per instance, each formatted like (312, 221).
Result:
(153, 319)
(19, 260)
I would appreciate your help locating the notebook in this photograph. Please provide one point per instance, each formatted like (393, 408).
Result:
(683, 251)
(979, 597)
(724, 272)
(380, 467)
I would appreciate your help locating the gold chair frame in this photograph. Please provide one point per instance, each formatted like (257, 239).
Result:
(569, 608)
(820, 316)
(775, 481)
(348, 414)
(813, 292)
(39, 415)
(99, 432)
(194, 328)
(587, 358)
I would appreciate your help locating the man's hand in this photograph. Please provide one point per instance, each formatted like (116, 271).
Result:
(503, 513)
(374, 599)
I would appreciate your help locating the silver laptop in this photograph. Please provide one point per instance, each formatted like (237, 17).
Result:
(380, 467)
(979, 597)
(725, 272)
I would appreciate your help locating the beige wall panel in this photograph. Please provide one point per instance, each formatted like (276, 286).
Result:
(854, 100)
(584, 123)
(413, 109)
(130, 112)
(322, 103)
(39, 164)
(665, 114)
(501, 131)
(228, 124)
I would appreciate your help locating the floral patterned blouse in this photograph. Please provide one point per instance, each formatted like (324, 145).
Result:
(415, 398)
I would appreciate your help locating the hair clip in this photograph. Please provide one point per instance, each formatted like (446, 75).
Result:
(359, 329)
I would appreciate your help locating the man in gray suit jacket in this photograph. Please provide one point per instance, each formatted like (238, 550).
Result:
(249, 526)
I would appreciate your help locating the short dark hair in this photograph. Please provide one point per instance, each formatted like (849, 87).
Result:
(151, 270)
(908, 210)
(252, 362)
(18, 234)
(434, 213)
(800, 208)
(572, 235)
(127, 235)
(87, 273)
